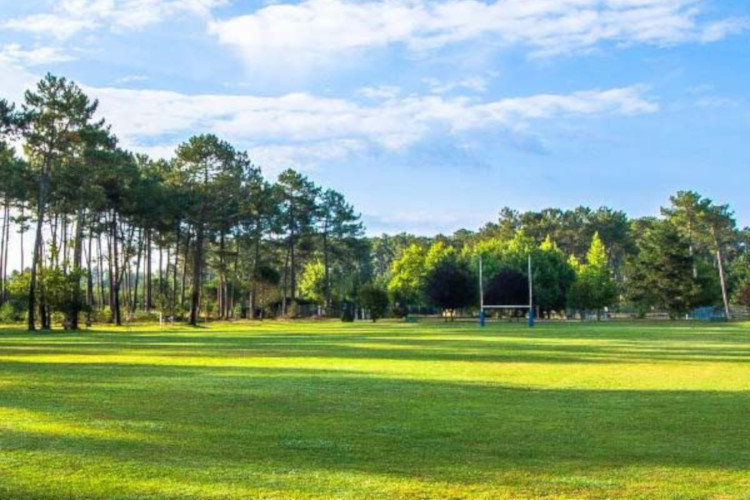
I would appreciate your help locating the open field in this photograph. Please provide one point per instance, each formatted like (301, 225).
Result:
(322, 410)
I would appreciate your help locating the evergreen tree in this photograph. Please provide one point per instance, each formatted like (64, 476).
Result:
(662, 273)
(55, 112)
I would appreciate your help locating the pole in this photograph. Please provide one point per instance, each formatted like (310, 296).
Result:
(531, 297)
(481, 295)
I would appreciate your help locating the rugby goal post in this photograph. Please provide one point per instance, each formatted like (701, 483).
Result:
(483, 306)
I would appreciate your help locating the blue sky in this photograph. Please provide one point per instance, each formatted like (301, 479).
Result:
(428, 115)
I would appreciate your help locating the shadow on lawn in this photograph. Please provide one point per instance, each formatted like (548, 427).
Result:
(456, 345)
(308, 420)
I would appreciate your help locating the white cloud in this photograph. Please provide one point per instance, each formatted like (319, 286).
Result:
(70, 17)
(15, 79)
(319, 31)
(380, 92)
(33, 57)
(473, 83)
(422, 222)
(303, 129)
(131, 79)
(722, 29)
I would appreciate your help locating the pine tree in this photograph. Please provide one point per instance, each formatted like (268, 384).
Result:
(662, 273)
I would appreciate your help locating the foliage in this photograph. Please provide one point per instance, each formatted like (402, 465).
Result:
(743, 295)
(662, 274)
(593, 288)
(406, 275)
(312, 283)
(509, 287)
(450, 284)
(374, 299)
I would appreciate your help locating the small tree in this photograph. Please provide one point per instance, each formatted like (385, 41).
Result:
(406, 275)
(450, 284)
(374, 299)
(312, 283)
(594, 288)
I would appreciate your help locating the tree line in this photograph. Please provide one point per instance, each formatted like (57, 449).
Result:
(115, 235)
(584, 261)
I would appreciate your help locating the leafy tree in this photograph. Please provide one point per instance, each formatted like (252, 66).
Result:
(594, 288)
(14, 308)
(374, 299)
(450, 284)
(553, 277)
(312, 284)
(407, 273)
(662, 273)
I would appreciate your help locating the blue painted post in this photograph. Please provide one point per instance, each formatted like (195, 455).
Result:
(482, 318)
(531, 317)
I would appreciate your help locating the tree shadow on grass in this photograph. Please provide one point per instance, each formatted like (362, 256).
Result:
(363, 346)
(349, 421)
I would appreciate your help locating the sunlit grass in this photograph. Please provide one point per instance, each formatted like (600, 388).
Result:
(393, 410)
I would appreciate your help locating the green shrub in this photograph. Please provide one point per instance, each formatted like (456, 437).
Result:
(375, 300)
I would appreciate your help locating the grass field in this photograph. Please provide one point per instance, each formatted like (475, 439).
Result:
(332, 410)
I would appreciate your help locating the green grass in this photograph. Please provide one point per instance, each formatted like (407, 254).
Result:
(394, 410)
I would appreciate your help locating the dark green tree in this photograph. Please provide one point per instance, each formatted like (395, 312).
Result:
(211, 170)
(375, 300)
(55, 113)
(450, 284)
(661, 275)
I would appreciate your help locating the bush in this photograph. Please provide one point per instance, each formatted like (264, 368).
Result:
(374, 299)
(347, 315)
(743, 296)
(10, 314)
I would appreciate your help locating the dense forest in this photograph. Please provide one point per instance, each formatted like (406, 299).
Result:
(114, 235)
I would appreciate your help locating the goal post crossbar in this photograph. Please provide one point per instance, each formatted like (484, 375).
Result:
(483, 306)
(525, 306)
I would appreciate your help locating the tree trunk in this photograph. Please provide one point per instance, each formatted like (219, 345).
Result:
(326, 265)
(36, 257)
(254, 289)
(149, 289)
(3, 247)
(5, 258)
(116, 313)
(74, 309)
(232, 284)
(89, 281)
(285, 290)
(292, 269)
(173, 303)
(22, 238)
(183, 285)
(134, 304)
(197, 268)
(161, 277)
(722, 279)
(100, 271)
